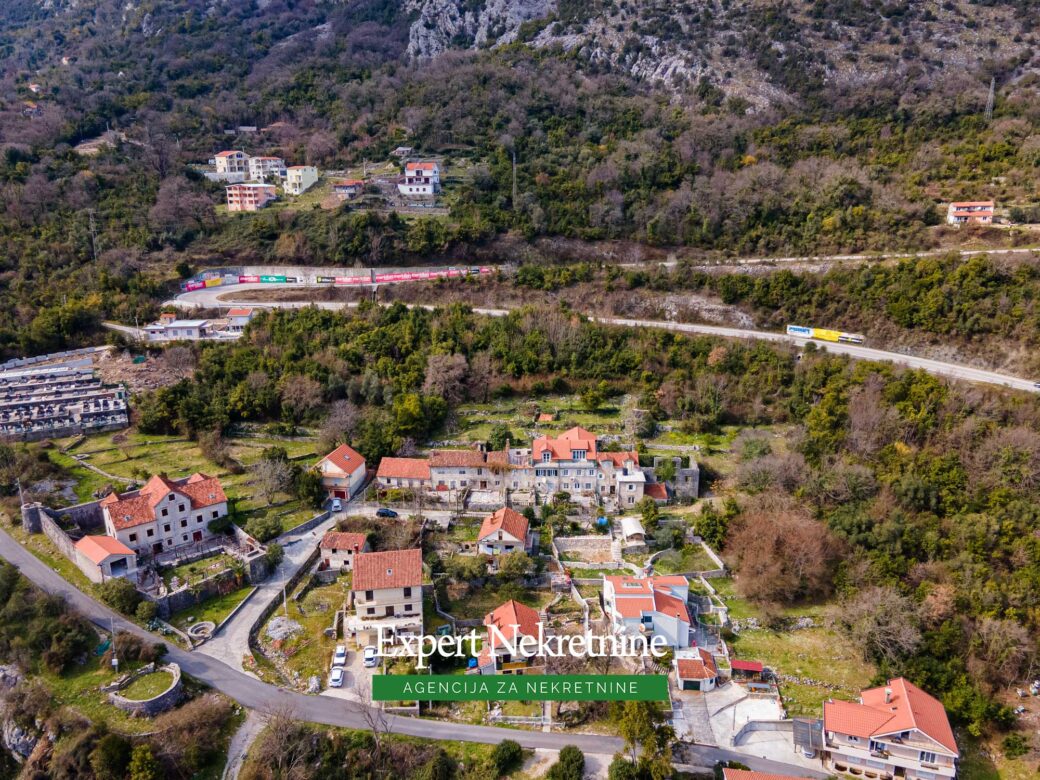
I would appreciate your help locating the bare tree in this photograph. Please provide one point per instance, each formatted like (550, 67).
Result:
(445, 377)
(271, 477)
(375, 717)
(481, 375)
(882, 621)
(341, 424)
(180, 360)
(300, 395)
(283, 749)
(872, 422)
(1001, 650)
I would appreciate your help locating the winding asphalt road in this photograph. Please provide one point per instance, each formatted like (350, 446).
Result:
(215, 297)
(257, 695)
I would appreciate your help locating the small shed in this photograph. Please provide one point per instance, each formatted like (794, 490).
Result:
(746, 670)
(632, 530)
(697, 672)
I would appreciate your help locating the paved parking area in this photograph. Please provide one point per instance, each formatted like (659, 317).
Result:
(356, 678)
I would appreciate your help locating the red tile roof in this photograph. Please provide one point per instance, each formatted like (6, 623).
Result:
(345, 458)
(240, 312)
(456, 459)
(907, 708)
(404, 468)
(635, 596)
(700, 668)
(98, 548)
(619, 458)
(505, 519)
(746, 774)
(746, 666)
(420, 166)
(128, 511)
(577, 438)
(656, 490)
(512, 619)
(964, 204)
(669, 605)
(229, 153)
(390, 569)
(341, 540)
(349, 183)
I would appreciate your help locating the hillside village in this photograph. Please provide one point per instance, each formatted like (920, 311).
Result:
(564, 533)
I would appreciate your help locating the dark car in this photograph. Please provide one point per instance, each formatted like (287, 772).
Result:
(384, 512)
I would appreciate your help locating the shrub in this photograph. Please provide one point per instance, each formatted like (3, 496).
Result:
(570, 765)
(622, 769)
(264, 528)
(110, 758)
(506, 756)
(146, 610)
(1015, 746)
(275, 554)
(120, 594)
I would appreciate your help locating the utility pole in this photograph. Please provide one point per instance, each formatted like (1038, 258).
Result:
(991, 99)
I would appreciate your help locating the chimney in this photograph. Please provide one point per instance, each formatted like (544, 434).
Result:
(888, 695)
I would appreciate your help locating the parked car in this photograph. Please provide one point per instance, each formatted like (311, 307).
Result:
(384, 512)
(371, 656)
(339, 658)
(337, 505)
(337, 677)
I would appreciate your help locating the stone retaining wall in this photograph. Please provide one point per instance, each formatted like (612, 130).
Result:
(157, 704)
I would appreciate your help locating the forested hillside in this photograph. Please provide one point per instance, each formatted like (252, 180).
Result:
(865, 118)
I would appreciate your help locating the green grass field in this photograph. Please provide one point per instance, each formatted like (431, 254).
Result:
(310, 651)
(215, 609)
(480, 602)
(147, 687)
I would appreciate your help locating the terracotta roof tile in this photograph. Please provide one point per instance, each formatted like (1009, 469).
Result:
(404, 468)
(456, 459)
(341, 540)
(390, 569)
(98, 548)
(700, 668)
(505, 519)
(128, 510)
(512, 613)
(345, 458)
(656, 490)
(746, 774)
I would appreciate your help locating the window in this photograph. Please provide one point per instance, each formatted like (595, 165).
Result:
(368, 595)
(546, 456)
(166, 528)
(927, 757)
(214, 513)
(407, 607)
(198, 520)
(184, 537)
(370, 611)
(407, 593)
(184, 523)
(165, 512)
(133, 537)
(180, 507)
(877, 747)
(853, 739)
(150, 532)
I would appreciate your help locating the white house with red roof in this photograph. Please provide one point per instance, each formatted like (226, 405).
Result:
(338, 549)
(502, 532)
(342, 471)
(506, 625)
(387, 594)
(348, 188)
(421, 179)
(413, 473)
(102, 558)
(238, 317)
(697, 671)
(165, 514)
(970, 212)
(649, 606)
(575, 463)
(231, 165)
(896, 730)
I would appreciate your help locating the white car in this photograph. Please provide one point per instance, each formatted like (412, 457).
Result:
(337, 505)
(371, 656)
(339, 658)
(336, 678)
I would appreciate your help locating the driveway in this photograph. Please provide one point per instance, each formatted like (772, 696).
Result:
(231, 645)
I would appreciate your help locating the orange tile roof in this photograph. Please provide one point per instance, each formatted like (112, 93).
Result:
(546, 417)
(498, 458)
(908, 708)
(229, 153)
(240, 312)
(700, 668)
(129, 511)
(656, 490)
(345, 458)
(420, 166)
(404, 468)
(349, 183)
(390, 569)
(963, 204)
(577, 438)
(505, 519)
(637, 595)
(441, 459)
(619, 458)
(341, 540)
(746, 774)
(669, 605)
(98, 548)
(512, 619)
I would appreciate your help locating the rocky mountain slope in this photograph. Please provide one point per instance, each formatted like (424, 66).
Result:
(760, 52)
